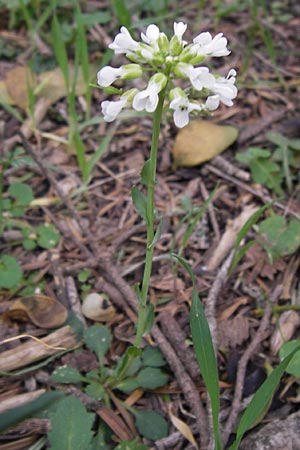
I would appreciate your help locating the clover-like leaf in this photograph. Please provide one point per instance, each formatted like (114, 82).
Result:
(21, 192)
(10, 272)
(47, 236)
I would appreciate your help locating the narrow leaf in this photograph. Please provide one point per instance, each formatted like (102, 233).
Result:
(205, 354)
(145, 173)
(261, 399)
(157, 234)
(140, 202)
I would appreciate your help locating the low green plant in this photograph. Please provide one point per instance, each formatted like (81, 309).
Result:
(279, 236)
(144, 371)
(276, 169)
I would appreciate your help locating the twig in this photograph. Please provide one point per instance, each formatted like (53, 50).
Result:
(221, 163)
(177, 337)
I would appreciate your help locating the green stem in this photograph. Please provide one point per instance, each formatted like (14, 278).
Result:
(142, 309)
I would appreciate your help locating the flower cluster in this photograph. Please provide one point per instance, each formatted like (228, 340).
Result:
(167, 61)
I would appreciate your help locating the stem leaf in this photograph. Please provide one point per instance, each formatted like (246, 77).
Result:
(140, 202)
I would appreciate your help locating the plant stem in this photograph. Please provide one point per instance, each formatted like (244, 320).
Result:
(142, 309)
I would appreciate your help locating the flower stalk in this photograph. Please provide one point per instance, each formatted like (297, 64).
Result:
(150, 208)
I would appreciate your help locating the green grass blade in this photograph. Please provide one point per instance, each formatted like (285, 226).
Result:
(206, 358)
(84, 56)
(205, 353)
(60, 50)
(257, 408)
(122, 13)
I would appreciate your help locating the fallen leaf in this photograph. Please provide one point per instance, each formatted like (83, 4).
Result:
(287, 324)
(52, 83)
(182, 427)
(43, 311)
(49, 85)
(201, 141)
(17, 81)
(233, 332)
(4, 94)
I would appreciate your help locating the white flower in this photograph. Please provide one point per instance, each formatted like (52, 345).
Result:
(225, 89)
(182, 107)
(123, 42)
(108, 75)
(179, 29)
(205, 45)
(200, 77)
(152, 34)
(148, 98)
(111, 110)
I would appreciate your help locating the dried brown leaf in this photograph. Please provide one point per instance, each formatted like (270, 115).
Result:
(43, 311)
(287, 324)
(201, 141)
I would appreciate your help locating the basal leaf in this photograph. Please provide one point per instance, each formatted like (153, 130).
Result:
(151, 378)
(152, 357)
(66, 375)
(150, 424)
(98, 339)
(131, 445)
(70, 426)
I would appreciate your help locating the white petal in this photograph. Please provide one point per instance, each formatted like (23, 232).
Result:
(203, 38)
(212, 102)
(111, 110)
(123, 42)
(181, 118)
(139, 101)
(179, 29)
(152, 34)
